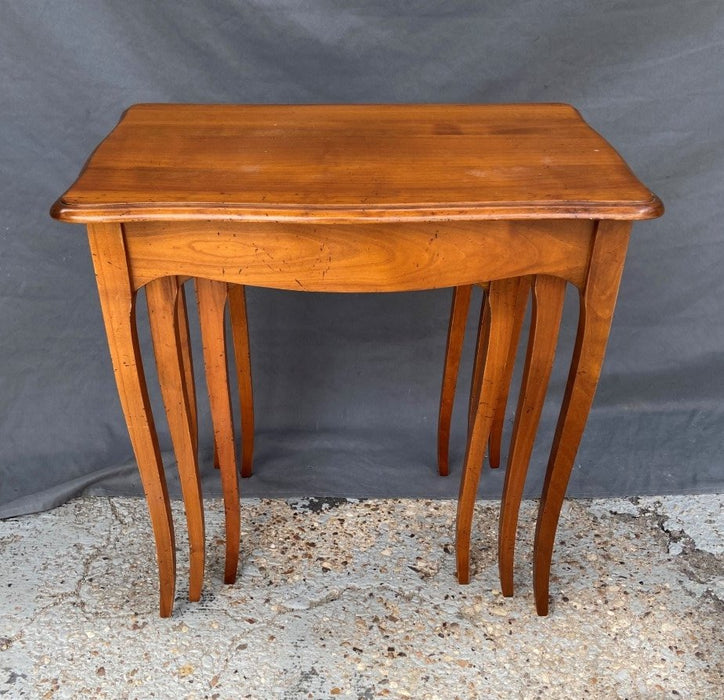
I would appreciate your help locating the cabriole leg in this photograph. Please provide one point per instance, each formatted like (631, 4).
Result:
(453, 352)
(597, 302)
(118, 300)
(242, 355)
(493, 344)
(496, 430)
(211, 299)
(169, 331)
(548, 297)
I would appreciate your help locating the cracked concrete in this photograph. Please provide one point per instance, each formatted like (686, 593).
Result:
(358, 599)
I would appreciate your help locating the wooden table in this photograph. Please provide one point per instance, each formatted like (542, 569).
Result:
(357, 198)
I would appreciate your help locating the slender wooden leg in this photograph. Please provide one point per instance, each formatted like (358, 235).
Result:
(496, 430)
(185, 340)
(597, 302)
(211, 299)
(453, 351)
(493, 343)
(162, 296)
(118, 299)
(187, 363)
(240, 337)
(479, 360)
(548, 296)
(188, 367)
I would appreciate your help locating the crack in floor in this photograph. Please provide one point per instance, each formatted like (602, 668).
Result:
(288, 616)
(697, 565)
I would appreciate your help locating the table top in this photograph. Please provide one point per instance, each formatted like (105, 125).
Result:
(353, 163)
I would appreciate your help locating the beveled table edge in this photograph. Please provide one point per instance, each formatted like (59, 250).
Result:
(350, 214)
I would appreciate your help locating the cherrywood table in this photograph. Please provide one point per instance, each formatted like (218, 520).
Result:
(356, 198)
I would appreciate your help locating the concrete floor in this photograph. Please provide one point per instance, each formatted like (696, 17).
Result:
(358, 599)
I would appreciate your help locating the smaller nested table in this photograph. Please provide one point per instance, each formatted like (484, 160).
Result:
(357, 198)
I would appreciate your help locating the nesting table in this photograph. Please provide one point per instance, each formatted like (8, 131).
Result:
(356, 198)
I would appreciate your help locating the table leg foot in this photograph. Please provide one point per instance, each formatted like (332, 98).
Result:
(597, 302)
(453, 352)
(497, 320)
(211, 299)
(548, 298)
(118, 299)
(242, 354)
(169, 332)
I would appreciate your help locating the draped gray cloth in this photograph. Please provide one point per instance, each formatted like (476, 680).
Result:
(347, 385)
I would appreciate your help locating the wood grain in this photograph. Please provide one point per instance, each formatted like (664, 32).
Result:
(453, 352)
(119, 315)
(494, 343)
(358, 258)
(211, 300)
(496, 429)
(184, 339)
(354, 198)
(597, 302)
(548, 297)
(479, 359)
(173, 361)
(242, 356)
(351, 163)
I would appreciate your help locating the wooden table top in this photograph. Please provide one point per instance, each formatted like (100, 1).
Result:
(353, 163)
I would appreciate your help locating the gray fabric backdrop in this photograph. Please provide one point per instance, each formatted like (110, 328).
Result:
(347, 386)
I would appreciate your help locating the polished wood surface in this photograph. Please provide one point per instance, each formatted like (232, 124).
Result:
(211, 300)
(354, 163)
(453, 352)
(184, 337)
(478, 360)
(364, 198)
(119, 315)
(357, 257)
(242, 356)
(169, 333)
(494, 346)
(548, 297)
(496, 429)
(597, 302)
